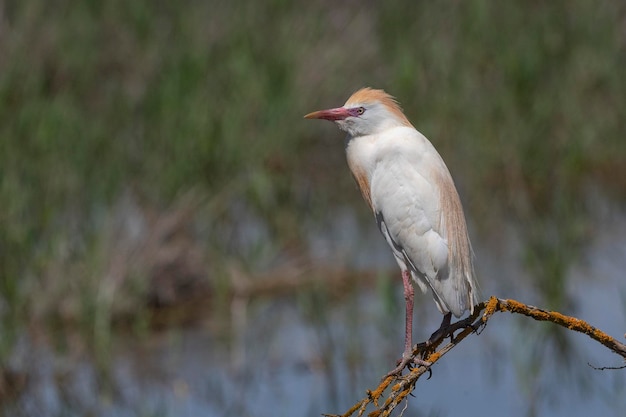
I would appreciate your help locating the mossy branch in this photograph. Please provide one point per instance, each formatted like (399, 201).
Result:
(431, 351)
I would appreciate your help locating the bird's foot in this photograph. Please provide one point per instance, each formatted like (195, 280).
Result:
(407, 361)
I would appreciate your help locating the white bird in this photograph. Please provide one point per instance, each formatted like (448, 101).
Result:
(416, 205)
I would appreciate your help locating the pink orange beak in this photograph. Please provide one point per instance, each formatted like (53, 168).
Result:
(339, 113)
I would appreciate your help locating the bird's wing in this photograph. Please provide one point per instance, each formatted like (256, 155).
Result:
(406, 198)
(407, 205)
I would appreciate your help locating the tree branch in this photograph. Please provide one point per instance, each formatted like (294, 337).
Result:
(430, 351)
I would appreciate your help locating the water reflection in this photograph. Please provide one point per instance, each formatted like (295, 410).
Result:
(317, 352)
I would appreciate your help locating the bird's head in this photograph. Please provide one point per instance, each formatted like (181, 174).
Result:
(366, 112)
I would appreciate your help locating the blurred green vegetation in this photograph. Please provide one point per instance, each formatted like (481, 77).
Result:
(526, 101)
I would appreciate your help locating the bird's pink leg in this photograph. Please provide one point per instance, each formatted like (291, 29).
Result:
(408, 329)
(408, 321)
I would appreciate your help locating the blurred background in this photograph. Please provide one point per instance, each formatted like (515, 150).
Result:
(175, 240)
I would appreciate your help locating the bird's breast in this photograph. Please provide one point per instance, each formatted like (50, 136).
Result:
(363, 182)
(361, 157)
(398, 148)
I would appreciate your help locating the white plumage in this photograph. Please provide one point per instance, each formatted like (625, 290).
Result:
(405, 175)
(411, 193)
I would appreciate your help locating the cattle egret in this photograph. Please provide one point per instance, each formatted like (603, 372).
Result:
(415, 203)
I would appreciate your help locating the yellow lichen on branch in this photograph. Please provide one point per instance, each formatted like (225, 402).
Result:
(571, 323)
(490, 308)
(430, 351)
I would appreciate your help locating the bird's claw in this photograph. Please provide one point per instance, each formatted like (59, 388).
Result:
(407, 362)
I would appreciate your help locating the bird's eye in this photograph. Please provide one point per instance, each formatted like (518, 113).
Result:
(360, 111)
